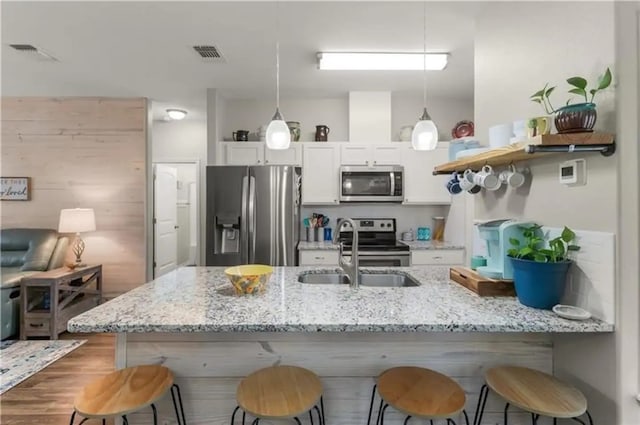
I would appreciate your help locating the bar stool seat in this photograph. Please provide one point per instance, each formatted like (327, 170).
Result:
(536, 392)
(126, 391)
(421, 392)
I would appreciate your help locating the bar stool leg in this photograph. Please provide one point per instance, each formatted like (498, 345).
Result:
(407, 420)
(233, 415)
(244, 414)
(451, 421)
(84, 420)
(579, 420)
(506, 407)
(311, 416)
(482, 401)
(73, 417)
(373, 395)
(297, 420)
(382, 414)
(319, 415)
(104, 421)
(379, 411)
(155, 414)
(534, 419)
(466, 417)
(589, 416)
(175, 405)
(324, 420)
(126, 421)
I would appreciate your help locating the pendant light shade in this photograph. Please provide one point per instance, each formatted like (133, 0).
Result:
(278, 135)
(425, 134)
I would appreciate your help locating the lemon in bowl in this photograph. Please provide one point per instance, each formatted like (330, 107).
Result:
(249, 278)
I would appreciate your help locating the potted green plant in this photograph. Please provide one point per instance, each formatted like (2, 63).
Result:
(539, 268)
(579, 117)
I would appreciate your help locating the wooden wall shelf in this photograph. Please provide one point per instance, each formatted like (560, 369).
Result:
(536, 147)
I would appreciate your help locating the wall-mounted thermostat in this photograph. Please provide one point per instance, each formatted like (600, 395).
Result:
(574, 172)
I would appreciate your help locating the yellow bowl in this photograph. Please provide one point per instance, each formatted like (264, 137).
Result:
(249, 278)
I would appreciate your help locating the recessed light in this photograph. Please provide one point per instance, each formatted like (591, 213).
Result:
(176, 114)
(384, 61)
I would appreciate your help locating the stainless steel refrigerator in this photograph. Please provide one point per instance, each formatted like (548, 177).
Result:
(252, 215)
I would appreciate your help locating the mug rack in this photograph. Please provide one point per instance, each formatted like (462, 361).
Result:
(534, 148)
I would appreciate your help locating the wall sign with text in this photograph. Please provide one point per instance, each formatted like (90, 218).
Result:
(15, 188)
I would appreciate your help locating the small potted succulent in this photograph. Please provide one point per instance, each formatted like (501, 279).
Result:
(539, 269)
(579, 117)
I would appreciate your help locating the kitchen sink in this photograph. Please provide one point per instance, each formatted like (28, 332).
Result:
(386, 279)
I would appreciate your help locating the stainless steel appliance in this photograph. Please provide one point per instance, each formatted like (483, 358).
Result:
(371, 184)
(252, 215)
(377, 244)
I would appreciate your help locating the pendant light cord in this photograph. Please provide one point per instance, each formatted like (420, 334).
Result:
(277, 55)
(424, 55)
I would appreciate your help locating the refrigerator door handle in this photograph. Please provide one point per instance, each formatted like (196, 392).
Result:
(252, 219)
(244, 230)
(283, 219)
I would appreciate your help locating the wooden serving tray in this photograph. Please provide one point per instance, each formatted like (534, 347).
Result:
(483, 286)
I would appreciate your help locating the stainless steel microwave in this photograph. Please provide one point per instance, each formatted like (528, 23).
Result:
(371, 184)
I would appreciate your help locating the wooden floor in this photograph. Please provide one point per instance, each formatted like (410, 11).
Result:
(46, 398)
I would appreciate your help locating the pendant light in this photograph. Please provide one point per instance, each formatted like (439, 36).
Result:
(425, 133)
(278, 135)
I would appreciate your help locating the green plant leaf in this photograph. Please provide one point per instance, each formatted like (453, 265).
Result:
(581, 92)
(573, 248)
(525, 251)
(539, 93)
(537, 100)
(549, 91)
(605, 80)
(568, 102)
(512, 252)
(540, 258)
(514, 241)
(578, 82)
(567, 235)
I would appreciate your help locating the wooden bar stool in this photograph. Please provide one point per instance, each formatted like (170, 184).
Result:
(420, 392)
(280, 392)
(535, 392)
(126, 391)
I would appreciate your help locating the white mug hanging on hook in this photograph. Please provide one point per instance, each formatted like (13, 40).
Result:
(487, 179)
(512, 177)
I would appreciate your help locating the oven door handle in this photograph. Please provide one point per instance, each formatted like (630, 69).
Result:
(381, 253)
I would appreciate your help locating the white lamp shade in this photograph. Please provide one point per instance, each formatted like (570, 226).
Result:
(278, 135)
(77, 220)
(424, 136)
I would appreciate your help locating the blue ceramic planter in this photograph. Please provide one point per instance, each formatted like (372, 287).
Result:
(539, 285)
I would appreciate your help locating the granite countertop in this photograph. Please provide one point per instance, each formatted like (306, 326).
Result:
(420, 245)
(320, 245)
(201, 299)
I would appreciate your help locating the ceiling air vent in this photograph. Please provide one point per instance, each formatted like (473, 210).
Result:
(209, 53)
(33, 50)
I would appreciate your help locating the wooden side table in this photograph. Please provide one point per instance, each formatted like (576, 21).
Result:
(71, 292)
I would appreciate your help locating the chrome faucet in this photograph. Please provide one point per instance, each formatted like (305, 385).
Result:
(350, 268)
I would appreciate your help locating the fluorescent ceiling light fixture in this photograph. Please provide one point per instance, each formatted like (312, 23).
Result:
(176, 114)
(382, 61)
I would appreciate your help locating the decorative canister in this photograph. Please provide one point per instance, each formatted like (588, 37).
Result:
(322, 133)
(294, 129)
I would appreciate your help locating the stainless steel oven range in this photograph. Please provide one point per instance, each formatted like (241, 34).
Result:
(377, 245)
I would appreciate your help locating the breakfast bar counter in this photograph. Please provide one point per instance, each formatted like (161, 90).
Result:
(201, 299)
(191, 321)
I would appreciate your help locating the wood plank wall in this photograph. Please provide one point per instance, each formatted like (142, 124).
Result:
(82, 152)
(209, 366)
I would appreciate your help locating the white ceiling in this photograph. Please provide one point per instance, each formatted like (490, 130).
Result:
(144, 48)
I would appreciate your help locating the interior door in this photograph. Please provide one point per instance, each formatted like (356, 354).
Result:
(165, 213)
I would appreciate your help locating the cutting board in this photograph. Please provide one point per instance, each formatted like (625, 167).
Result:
(483, 286)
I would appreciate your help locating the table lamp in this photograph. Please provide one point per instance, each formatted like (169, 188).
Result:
(77, 220)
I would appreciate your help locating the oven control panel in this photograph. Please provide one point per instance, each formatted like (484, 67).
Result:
(372, 225)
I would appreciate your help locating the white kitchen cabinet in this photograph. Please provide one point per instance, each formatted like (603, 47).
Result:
(291, 156)
(320, 169)
(243, 153)
(448, 257)
(370, 155)
(420, 185)
(352, 154)
(320, 257)
(387, 155)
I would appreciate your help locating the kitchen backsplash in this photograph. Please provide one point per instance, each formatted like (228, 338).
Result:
(407, 216)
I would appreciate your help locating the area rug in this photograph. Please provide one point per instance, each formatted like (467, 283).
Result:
(21, 359)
